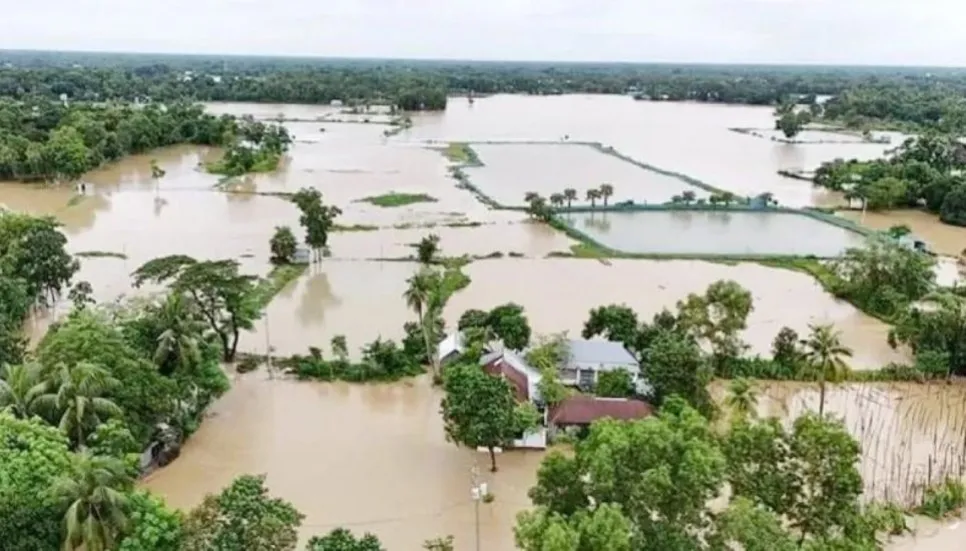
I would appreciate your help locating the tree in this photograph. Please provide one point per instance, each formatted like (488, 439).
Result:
(152, 526)
(660, 472)
(785, 349)
(753, 528)
(224, 297)
(937, 326)
(479, 410)
(94, 490)
(826, 355)
(808, 475)
(283, 245)
(77, 403)
(953, 209)
(80, 295)
(34, 251)
(20, 385)
(883, 277)
(557, 200)
(593, 195)
(242, 516)
(604, 527)
(179, 344)
(676, 367)
(341, 539)
(614, 322)
(156, 174)
(427, 293)
(570, 195)
(509, 324)
(742, 398)
(688, 197)
(560, 487)
(440, 544)
(317, 218)
(473, 318)
(606, 191)
(33, 455)
(717, 317)
(547, 356)
(615, 384)
(427, 249)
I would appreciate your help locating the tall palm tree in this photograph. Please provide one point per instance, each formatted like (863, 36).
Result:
(606, 191)
(742, 398)
(20, 385)
(826, 354)
(529, 196)
(94, 491)
(557, 199)
(78, 403)
(156, 174)
(570, 194)
(178, 344)
(418, 296)
(593, 195)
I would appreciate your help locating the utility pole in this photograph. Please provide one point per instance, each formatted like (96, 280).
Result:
(268, 349)
(478, 492)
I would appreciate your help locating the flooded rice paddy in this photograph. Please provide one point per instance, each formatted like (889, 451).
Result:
(709, 232)
(374, 457)
(511, 170)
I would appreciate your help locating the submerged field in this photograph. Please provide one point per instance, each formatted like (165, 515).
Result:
(384, 444)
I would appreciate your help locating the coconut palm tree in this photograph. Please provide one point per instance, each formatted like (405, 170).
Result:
(418, 296)
(156, 174)
(94, 493)
(742, 398)
(529, 196)
(826, 354)
(688, 197)
(570, 194)
(557, 199)
(593, 195)
(178, 344)
(606, 191)
(78, 404)
(20, 385)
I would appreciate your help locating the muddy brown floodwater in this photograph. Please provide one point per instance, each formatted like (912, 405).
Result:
(374, 458)
(366, 457)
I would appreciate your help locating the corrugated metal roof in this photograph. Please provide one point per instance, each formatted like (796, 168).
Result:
(608, 355)
(582, 410)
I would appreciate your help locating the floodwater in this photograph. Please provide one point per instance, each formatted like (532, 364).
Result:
(945, 239)
(688, 138)
(412, 484)
(371, 458)
(363, 301)
(709, 232)
(513, 170)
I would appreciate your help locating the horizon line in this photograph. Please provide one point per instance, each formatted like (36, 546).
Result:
(470, 60)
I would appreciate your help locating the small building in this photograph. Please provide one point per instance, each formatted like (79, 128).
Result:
(588, 358)
(302, 255)
(579, 411)
(523, 379)
(451, 348)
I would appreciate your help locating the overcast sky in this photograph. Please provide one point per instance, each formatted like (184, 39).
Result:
(883, 32)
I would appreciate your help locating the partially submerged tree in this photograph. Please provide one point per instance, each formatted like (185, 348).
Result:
(826, 355)
(480, 410)
(428, 249)
(317, 218)
(283, 245)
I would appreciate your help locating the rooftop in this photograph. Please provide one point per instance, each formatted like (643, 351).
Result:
(582, 410)
(609, 355)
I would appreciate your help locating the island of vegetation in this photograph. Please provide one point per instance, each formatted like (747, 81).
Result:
(394, 199)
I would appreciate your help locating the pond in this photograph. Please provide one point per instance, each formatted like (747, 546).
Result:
(710, 232)
(513, 170)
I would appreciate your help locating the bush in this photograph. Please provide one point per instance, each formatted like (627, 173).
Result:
(943, 499)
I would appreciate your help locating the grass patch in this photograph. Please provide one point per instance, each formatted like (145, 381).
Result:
(354, 227)
(462, 153)
(277, 279)
(268, 163)
(101, 254)
(394, 199)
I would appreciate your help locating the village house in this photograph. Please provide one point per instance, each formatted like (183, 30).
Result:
(576, 411)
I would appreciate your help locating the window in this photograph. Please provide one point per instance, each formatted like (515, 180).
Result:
(586, 379)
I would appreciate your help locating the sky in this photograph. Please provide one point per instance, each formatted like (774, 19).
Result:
(872, 32)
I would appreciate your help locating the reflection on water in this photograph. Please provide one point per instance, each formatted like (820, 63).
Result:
(709, 232)
(689, 138)
(512, 170)
(368, 457)
(557, 295)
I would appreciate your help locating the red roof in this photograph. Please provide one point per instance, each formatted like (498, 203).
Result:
(518, 381)
(583, 410)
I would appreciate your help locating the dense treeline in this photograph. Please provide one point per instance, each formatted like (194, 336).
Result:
(923, 172)
(424, 84)
(941, 107)
(45, 140)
